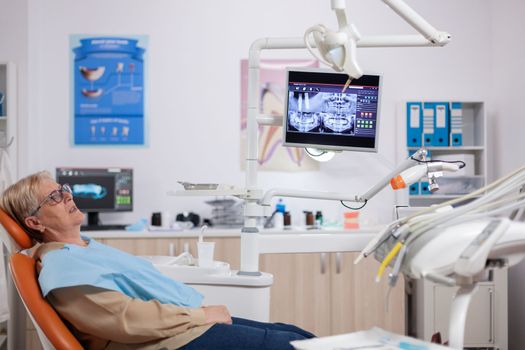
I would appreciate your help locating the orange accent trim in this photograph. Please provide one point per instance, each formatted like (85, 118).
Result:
(15, 231)
(397, 182)
(24, 276)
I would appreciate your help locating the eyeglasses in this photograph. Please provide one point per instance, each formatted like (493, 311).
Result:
(56, 196)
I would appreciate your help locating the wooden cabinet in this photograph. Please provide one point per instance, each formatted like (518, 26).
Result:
(301, 290)
(358, 302)
(327, 294)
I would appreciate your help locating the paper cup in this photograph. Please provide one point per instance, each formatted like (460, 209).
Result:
(167, 219)
(205, 253)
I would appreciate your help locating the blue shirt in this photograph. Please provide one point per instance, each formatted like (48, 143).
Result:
(99, 265)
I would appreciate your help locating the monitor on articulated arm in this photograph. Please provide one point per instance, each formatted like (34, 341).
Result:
(323, 112)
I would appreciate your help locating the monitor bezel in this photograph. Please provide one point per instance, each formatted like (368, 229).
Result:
(323, 146)
(104, 210)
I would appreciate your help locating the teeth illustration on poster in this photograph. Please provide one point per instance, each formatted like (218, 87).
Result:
(108, 85)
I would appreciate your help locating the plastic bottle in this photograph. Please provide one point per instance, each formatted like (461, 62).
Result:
(318, 218)
(278, 220)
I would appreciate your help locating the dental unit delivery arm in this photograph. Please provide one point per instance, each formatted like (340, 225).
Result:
(456, 243)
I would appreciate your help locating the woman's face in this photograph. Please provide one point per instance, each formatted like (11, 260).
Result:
(61, 217)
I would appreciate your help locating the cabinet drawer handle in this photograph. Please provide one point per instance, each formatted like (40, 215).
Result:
(323, 263)
(491, 315)
(338, 262)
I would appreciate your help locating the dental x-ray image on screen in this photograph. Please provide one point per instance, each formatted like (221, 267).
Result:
(322, 112)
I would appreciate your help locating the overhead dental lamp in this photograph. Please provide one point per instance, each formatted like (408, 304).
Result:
(338, 48)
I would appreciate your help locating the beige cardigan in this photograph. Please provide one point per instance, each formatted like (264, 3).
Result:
(106, 319)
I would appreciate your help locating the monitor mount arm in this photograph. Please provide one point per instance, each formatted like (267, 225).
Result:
(341, 59)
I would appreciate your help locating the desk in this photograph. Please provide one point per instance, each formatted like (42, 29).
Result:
(223, 232)
(165, 242)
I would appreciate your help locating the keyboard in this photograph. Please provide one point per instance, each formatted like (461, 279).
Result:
(103, 228)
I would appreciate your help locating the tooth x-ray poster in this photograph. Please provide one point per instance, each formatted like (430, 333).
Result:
(108, 90)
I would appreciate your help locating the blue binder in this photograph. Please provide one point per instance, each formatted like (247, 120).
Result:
(441, 124)
(414, 124)
(428, 124)
(456, 124)
(413, 189)
(424, 188)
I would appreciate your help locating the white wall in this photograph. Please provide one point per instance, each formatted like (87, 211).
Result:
(509, 124)
(193, 88)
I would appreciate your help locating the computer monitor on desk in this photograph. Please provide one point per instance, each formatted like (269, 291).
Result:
(99, 190)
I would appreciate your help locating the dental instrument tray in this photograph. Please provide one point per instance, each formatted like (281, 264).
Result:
(208, 189)
(188, 186)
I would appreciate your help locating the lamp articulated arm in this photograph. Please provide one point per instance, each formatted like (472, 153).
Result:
(337, 49)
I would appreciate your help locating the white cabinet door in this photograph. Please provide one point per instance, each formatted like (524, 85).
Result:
(480, 328)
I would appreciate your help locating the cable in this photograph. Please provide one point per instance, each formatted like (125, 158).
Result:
(315, 155)
(461, 166)
(361, 207)
(387, 260)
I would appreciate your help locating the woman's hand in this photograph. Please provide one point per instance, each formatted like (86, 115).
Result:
(217, 314)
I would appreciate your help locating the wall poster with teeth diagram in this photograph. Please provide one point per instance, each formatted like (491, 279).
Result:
(108, 90)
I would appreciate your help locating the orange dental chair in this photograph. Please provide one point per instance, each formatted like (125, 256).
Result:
(52, 331)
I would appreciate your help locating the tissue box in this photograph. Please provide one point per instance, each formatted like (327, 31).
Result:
(459, 185)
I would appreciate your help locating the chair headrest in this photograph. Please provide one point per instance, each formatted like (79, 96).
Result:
(14, 230)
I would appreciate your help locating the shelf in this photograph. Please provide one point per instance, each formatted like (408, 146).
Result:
(225, 192)
(450, 149)
(437, 196)
(3, 117)
(463, 177)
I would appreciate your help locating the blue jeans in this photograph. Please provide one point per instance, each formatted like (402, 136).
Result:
(248, 335)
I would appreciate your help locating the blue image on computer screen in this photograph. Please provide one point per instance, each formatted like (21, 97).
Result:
(90, 191)
(98, 190)
(323, 111)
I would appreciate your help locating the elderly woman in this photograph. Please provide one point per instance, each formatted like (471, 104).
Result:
(113, 300)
